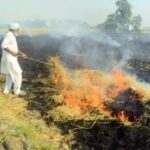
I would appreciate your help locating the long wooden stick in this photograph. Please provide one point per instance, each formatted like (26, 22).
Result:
(39, 61)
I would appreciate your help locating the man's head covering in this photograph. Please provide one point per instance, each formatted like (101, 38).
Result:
(14, 26)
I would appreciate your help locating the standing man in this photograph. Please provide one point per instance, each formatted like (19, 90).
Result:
(9, 62)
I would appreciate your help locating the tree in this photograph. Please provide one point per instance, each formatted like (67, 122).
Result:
(111, 24)
(122, 20)
(136, 23)
(123, 14)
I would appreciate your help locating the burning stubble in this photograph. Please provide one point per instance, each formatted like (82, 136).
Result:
(100, 73)
(88, 89)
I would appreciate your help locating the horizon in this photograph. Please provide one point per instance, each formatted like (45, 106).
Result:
(93, 12)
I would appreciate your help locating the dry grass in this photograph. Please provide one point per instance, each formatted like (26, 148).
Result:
(83, 93)
(16, 120)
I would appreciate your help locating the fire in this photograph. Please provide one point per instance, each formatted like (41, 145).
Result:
(122, 116)
(89, 89)
(120, 83)
(83, 98)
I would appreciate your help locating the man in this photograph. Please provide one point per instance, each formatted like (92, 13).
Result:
(9, 62)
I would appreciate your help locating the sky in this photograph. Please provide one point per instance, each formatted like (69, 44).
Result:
(90, 11)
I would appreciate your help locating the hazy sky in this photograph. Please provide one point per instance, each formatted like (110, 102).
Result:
(91, 11)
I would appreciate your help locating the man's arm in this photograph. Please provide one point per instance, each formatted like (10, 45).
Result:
(19, 53)
(5, 46)
(10, 51)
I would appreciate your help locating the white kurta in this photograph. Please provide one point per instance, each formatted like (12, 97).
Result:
(9, 63)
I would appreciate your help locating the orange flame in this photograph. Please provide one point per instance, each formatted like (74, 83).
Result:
(122, 116)
(88, 89)
(120, 83)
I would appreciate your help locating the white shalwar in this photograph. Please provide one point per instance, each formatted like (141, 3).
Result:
(9, 64)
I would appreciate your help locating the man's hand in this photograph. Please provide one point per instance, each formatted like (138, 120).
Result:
(14, 54)
(24, 56)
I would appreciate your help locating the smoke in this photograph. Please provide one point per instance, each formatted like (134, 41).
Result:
(126, 56)
(68, 27)
(92, 49)
(103, 38)
(80, 46)
(96, 50)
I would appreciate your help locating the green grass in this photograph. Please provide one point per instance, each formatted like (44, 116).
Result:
(14, 123)
(27, 130)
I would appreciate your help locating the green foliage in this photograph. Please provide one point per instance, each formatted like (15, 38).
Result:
(123, 13)
(111, 23)
(16, 122)
(122, 20)
(136, 23)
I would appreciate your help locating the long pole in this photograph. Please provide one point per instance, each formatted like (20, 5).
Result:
(39, 61)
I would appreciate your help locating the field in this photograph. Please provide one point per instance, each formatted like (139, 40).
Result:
(40, 31)
(79, 101)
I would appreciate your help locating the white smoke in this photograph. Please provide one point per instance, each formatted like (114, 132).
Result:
(96, 50)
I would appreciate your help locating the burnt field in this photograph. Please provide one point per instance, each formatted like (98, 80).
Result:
(130, 52)
(95, 89)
